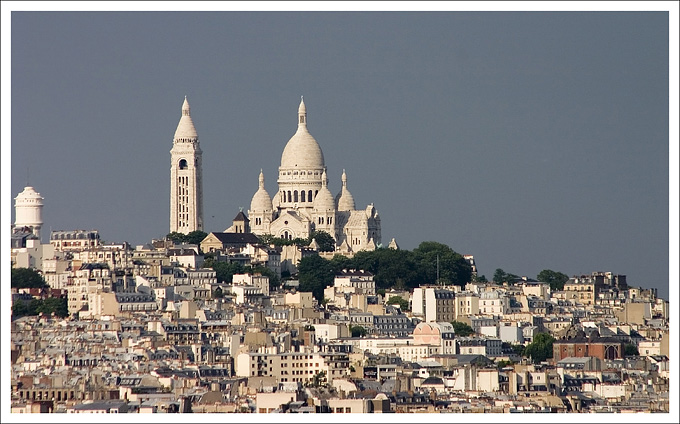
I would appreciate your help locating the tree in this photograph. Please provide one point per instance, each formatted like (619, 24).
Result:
(453, 268)
(479, 278)
(518, 349)
(390, 267)
(21, 309)
(218, 293)
(357, 331)
(176, 237)
(56, 305)
(325, 241)
(541, 348)
(319, 379)
(401, 302)
(503, 363)
(554, 278)
(196, 237)
(501, 276)
(315, 274)
(462, 329)
(23, 278)
(224, 271)
(630, 350)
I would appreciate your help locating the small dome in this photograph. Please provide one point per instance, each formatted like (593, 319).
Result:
(345, 200)
(185, 128)
(29, 193)
(302, 150)
(261, 199)
(324, 199)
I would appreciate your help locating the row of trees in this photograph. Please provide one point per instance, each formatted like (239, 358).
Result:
(194, 237)
(56, 305)
(325, 241)
(400, 269)
(554, 278)
(26, 278)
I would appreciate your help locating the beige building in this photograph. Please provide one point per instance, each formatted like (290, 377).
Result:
(580, 292)
(297, 367)
(304, 202)
(434, 304)
(89, 279)
(467, 303)
(634, 313)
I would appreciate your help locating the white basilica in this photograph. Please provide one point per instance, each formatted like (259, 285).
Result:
(303, 202)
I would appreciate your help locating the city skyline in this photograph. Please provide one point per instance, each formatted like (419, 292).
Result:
(529, 140)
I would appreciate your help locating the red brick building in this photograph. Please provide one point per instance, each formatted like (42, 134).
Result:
(581, 346)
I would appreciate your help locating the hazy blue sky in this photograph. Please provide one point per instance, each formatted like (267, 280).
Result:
(531, 140)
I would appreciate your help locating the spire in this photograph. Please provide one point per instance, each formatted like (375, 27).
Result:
(302, 113)
(261, 179)
(344, 199)
(324, 179)
(185, 129)
(186, 110)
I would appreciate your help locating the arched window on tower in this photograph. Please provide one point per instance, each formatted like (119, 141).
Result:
(309, 195)
(289, 196)
(183, 164)
(302, 196)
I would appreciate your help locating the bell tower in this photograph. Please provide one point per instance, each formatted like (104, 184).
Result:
(186, 177)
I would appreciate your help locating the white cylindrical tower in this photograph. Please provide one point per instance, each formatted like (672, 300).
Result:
(28, 207)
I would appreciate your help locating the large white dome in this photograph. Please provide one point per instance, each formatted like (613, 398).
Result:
(302, 150)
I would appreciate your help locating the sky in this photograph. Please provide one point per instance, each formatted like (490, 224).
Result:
(531, 140)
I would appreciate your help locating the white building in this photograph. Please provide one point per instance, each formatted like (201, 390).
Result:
(186, 177)
(28, 210)
(304, 203)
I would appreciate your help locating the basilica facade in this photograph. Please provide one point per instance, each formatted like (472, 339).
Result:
(303, 202)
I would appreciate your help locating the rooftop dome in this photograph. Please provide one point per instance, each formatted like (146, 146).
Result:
(345, 200)
(324, 199)
(302, 150)
(261, 200)
(29, 193)
(185, 128)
